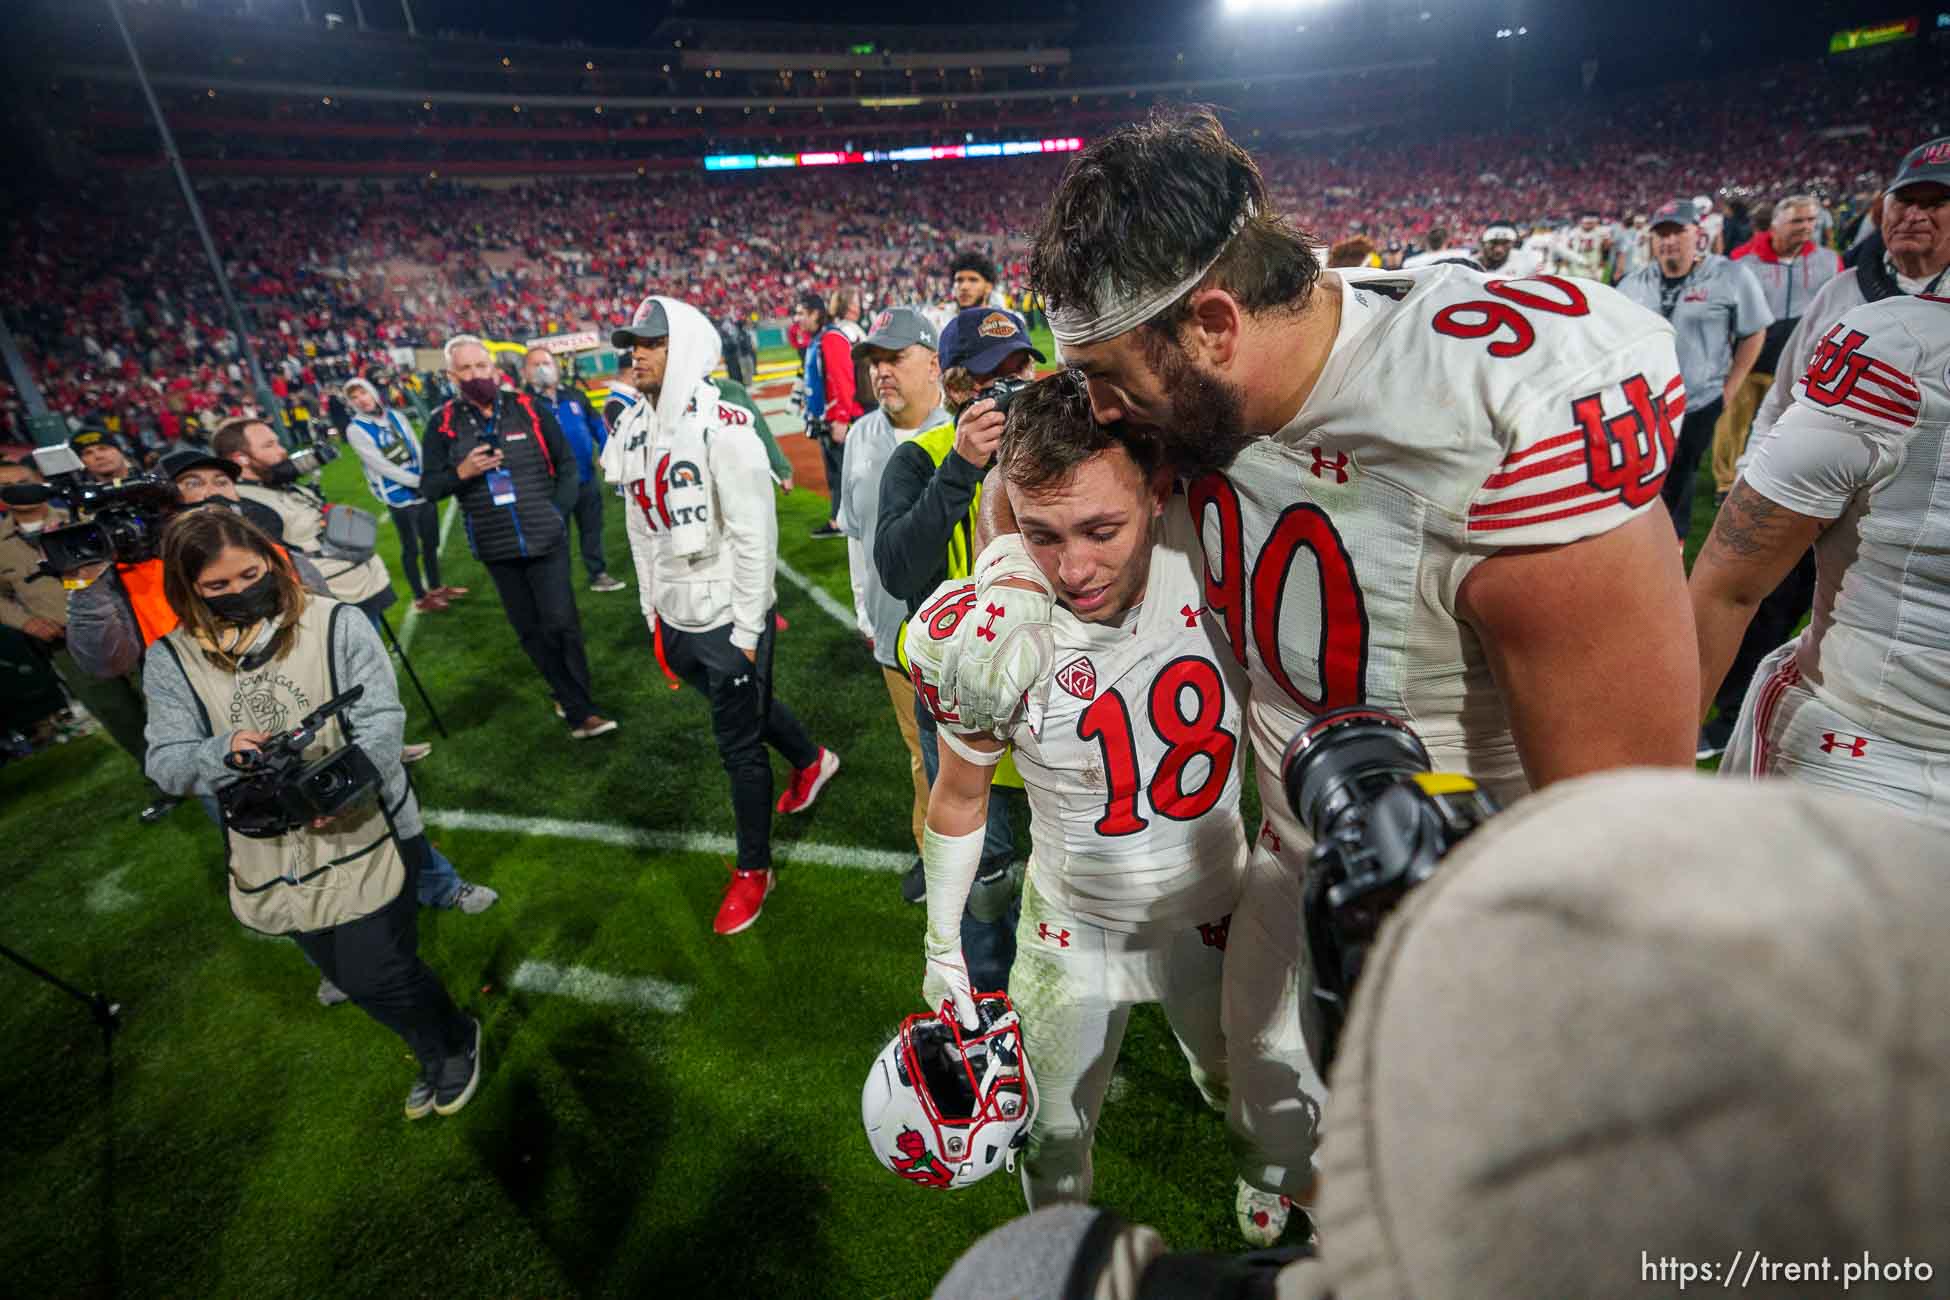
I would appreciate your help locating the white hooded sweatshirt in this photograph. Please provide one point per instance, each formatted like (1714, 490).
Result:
(697, 488)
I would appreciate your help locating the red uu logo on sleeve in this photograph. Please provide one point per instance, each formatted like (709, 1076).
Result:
(1626, 454)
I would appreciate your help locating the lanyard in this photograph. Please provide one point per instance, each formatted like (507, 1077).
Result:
(1669, 297)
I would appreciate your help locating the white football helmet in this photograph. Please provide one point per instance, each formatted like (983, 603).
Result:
(946, 1107)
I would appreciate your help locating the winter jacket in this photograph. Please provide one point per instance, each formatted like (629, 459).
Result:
(534, 453)
(1789, 284)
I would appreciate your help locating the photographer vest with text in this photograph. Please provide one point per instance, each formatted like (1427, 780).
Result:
(302, 511)
(309, 879)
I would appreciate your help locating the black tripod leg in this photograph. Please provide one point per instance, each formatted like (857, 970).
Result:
(414, 677)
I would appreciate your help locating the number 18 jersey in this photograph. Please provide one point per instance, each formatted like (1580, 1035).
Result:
(1457, 415)
(1132, 768)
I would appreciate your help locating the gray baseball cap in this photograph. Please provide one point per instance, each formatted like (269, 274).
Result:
(649, 324)
(1929, 161)
(1676, 212)
(899, 327)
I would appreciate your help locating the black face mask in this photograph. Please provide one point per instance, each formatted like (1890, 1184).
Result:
(281, 473)
(253, 604)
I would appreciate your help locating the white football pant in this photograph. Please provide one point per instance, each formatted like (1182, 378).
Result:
(1785, 729)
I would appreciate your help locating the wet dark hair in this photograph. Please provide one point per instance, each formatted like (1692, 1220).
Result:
(970, 260)
(1050, 433)
(1148, 203)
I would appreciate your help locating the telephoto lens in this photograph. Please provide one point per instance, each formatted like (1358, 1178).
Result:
(1343, 759)
(1360, 782)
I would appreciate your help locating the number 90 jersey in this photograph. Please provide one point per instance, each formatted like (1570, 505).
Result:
(1132, 770)
(1457, 415)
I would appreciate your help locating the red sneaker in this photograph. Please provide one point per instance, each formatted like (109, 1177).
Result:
(807, 782)
(744, 899)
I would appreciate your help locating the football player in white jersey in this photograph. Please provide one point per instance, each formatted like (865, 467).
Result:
(1533, 256)
(1585, 249)
(1859, 468)
(1131, 762)
(1431, 492)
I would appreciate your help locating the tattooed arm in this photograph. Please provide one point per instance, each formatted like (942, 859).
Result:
(1753, 545)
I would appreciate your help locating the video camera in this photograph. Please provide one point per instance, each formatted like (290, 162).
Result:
(1382, 821)
(280, 792)
(120, 522)
(1001, 392)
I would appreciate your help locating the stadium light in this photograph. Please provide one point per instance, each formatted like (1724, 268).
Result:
(1267, 6)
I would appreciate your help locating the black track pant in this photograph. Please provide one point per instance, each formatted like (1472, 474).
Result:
(1695, 440)
(541, 604)
(376, 960)
(419, 543)
(746, 718)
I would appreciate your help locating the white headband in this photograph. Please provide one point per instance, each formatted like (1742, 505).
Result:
(1118, 312)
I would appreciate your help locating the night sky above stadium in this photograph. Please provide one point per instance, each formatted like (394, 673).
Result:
(1125, 22)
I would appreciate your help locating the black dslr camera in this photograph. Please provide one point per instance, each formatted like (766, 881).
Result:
(1360, 781)
(120, 522)
(1002, 392)
(280, 792)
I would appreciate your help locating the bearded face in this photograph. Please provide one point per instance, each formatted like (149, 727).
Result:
(1206, 429)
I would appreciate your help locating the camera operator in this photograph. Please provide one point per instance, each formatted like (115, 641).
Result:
(34, 601)
(268, 476)
(930, 493)
(253, 654)
(103, 458)
(115, 611)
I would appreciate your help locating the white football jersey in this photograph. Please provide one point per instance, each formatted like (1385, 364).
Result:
(1457, 415)
(1583, 251)
(1532, 256)
(1132, 769)
(1867, 444)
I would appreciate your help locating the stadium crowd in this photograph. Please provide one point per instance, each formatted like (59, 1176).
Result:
(333, 278)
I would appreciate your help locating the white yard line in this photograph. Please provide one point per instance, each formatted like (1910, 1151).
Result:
(587, 985)
(820, 597)
(631, 837)
(412, 619)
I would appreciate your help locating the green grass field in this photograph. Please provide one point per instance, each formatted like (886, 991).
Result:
(251, 1142)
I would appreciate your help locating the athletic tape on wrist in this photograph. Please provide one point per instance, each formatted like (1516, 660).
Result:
(950, 863)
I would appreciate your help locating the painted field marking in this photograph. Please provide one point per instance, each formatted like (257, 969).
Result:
(631, 837)
(587, 985)
(820, 596)
(412, 619)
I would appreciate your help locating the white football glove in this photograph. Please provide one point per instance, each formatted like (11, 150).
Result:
(933, 643)
(947, 981)
(1005, 650)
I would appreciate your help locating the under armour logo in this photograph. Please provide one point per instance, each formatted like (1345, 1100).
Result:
(1061, 938)
(987, 630)
(1191, 615)
(1855, 746)
(1213, 933)
(1322, 465)
(1267, 836)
